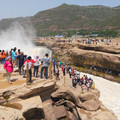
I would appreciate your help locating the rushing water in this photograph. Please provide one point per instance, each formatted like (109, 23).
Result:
(109, 93)
(16, 36)
(40, 50)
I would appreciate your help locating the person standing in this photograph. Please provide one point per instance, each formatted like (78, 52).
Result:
(30, 62)
(14, 56)
(21, 61)
(56, 64)
(74, 81)
(17, 53)
(8, 66)
(36, 66)
(0, 57)
(73, 72)
(60, 64)
(3, 54)
(70, 72)
(63, 69)
(45, 63)
(57, 74)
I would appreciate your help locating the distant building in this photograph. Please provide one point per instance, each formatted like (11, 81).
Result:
(77, 36)
(58, 36)
(94, 35)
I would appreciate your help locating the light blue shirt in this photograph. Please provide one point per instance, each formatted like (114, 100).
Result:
(14, 55)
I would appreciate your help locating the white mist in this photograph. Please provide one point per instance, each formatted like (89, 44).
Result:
(21, 36)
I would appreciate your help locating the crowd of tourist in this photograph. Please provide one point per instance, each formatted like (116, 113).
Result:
(87, 41)
(95, 41)
(15, 58)
(74, 75)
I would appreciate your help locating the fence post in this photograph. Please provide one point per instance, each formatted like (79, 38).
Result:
(40, 66)
(64, 80)
(27, 74)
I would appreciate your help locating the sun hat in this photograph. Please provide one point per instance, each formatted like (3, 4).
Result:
(9, 57)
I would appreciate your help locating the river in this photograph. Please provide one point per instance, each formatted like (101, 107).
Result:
(109, 93)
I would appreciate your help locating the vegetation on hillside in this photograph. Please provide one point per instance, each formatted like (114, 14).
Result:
(69, 19)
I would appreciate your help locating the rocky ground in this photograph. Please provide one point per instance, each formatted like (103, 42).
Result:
(103, 59)
(33, 102)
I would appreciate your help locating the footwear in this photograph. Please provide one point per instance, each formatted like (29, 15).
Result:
(31, 82)
(10, 82)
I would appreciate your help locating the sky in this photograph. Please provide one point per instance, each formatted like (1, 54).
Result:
(22, 8)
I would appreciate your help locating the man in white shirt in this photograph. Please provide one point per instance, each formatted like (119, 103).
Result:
(36, 66)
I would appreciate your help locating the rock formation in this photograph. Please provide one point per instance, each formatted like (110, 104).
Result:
(87, 101)
(87, 56)
(34, 102)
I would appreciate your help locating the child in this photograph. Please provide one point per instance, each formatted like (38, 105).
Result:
(9, 67)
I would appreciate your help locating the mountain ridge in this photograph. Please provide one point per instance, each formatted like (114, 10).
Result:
(69, 17)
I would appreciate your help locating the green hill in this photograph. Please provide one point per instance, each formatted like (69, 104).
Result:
(113, 22)
(72, 17)
(68, 18)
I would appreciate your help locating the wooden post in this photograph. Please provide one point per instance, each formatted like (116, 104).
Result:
(50, 69)
(27, 74)
(40, 68)
(64, 80)
(82, 89)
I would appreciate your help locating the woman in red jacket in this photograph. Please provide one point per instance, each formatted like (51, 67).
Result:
(8, 66)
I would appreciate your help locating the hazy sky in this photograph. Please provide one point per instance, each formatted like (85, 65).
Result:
(18, 8)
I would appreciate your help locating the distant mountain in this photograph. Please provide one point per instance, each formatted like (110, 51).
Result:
(118, 7)
(6, 23)
(69, 17)
(113, 22)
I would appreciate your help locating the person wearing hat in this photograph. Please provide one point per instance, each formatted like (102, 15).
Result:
(8, 66)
